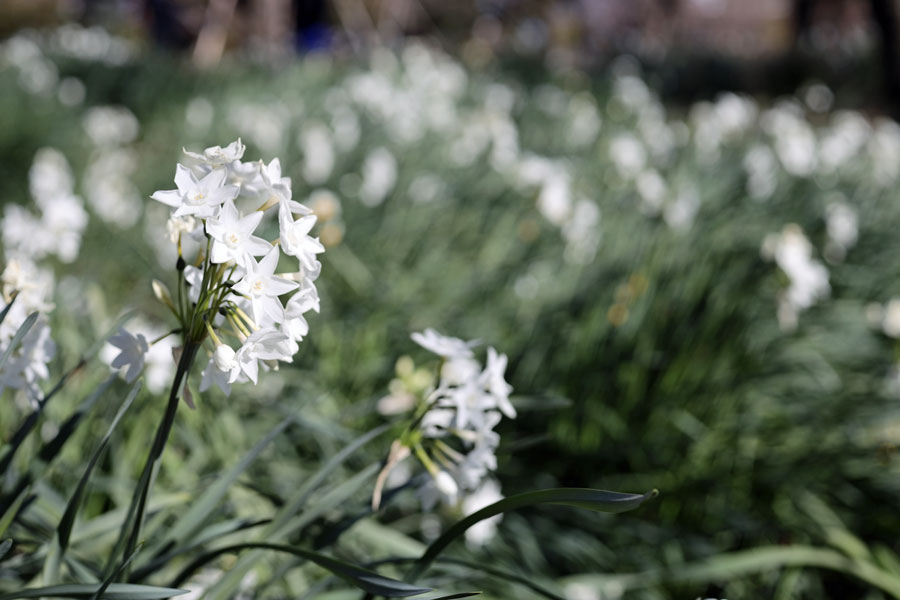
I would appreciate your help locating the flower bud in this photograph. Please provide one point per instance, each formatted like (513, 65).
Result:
(162, 293)
(446, 484)
(223, 357)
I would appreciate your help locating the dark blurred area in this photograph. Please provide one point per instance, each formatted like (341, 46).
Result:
(691, 49)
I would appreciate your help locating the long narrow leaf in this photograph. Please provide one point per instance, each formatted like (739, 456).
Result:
(188, 524)
(64, 530)
(285, 521)
(7, 517)
(335, 497)
(590, 499)
(367, 580)
(17, 339)
(117, 591)
(5, 545)
(7, 308)
(730, 566)
(108, 581)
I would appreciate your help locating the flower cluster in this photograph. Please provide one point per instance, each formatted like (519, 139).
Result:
(58, 229)
(231, 293)
(452, 430)
(808, 278)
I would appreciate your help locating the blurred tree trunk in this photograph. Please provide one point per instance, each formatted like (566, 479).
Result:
(271, 22)
(214, 34)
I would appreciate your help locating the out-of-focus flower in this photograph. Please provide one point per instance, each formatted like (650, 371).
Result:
(132, 350)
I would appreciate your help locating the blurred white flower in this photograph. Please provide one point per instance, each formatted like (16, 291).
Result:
(379, 176)
(132, 350)
(448, 347)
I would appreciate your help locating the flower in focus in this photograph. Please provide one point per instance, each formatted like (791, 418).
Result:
(223, 291)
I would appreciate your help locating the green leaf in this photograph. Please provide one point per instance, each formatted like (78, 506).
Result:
(285, 522)
(6, 308)
(451, 596)
(730, 566)
(590, 499)
(7, 518)
(188, 524)
(116, 591)
(5, 545)
(367, 580)
(17, 339)
(108, 581)
(64, 530)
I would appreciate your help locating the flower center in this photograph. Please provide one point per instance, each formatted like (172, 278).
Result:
(232, 239)
(197, 198)
(259, 286)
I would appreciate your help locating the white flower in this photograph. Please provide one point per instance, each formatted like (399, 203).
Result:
(448, 347)
(295, 238)
(224, 357)
(264, 344)
(233, 237)
(178, 226)
(133, 349)
(890, 324)
(379, 176)
(262, 287)
(496, 385)
(212, 375)
(446, 485)
(200, 198)
(217, 155)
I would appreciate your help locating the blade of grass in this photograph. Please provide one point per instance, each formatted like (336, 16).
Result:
(596, 500)
(116, 591)
(367, 580)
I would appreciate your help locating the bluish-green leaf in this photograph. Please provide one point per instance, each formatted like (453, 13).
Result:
(367, 580)
(7, 517)
(64, 530)
(590, 499)
(5, 545)
(17, 339)
(117, 591)
(188, 524)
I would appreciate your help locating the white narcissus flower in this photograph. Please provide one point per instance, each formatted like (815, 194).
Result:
(448, 347)
(233, 237)
(262, 287)
(212, 375)
(224, 357)
(198, 197)
(264, 344)
(446, 485)
(178, 226)
(496, 385)
(295, 238)
(217, 155)
(133, 349)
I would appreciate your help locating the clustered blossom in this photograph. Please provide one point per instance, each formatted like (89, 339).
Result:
(453, 433)
(29, 288)
(58, 229)
(808, 278)
(232, 294)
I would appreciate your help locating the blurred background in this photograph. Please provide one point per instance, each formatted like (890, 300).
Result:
(677, 217)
